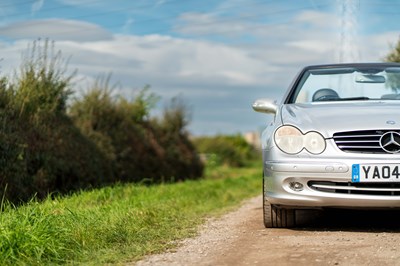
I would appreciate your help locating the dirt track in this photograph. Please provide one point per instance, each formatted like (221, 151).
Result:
(338, 237)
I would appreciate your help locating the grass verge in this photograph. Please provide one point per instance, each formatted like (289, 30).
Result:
(121, 223)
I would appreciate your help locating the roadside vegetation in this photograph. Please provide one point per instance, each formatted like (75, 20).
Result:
(226, 150)
(119, 223)
(54, 143)
(394, 56)
(96, 179)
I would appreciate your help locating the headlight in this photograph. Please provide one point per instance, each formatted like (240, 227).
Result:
(314, 142)
(291, 140)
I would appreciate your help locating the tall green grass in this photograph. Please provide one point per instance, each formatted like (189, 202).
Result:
(117, 224)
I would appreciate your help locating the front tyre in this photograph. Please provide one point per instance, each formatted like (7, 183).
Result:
(275, 217)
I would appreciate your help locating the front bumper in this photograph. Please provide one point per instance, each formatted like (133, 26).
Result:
(325, 183)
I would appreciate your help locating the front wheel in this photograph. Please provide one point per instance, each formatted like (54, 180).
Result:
(275, 217)
(280, 217)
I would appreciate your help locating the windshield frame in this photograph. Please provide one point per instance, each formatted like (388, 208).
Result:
(363, 68)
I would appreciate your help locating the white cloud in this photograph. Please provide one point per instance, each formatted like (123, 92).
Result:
(165, 61)
(194, 24)
(318, 19)
(316, 45)
(55, 29)
(376, 46)
(219, 80)
(36, 6)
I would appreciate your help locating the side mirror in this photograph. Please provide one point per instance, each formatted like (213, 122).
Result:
(267, 106)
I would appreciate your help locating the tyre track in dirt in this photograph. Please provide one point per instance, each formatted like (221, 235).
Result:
(335, 237)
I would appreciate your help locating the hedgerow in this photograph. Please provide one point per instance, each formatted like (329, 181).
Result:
(230, 150)
(50, 147)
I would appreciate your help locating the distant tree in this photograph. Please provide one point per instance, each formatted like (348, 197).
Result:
(394, 55)
(393, 79)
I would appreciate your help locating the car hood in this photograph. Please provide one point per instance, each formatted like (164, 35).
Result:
(328, 118)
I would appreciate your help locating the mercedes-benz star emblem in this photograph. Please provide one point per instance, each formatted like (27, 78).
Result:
(390, 122)
(390, 142)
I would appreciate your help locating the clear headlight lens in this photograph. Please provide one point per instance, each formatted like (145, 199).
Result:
(314, 142)
(291, 140)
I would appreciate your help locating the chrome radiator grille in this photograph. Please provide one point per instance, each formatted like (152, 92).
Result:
(366, 141)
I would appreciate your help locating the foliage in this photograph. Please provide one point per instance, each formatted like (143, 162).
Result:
(394, 55)
(116, 224)
(393, 80)
(181, 157)
(138, 147)
(42, 86)
(39, 143)
(104, 137)
(226, 150)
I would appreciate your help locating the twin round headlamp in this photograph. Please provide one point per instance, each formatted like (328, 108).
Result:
(291, 140)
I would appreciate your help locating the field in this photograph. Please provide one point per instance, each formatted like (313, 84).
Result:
(120, 223)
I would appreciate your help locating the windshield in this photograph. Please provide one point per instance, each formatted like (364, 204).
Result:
(348, 84)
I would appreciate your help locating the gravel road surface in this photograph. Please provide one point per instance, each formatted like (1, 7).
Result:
(334, 237)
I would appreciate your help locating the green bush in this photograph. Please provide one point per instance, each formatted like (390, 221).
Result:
(100, 140)
(231, 150)
(42, 85)
(181, 158)
(139, 148)
(42, 150)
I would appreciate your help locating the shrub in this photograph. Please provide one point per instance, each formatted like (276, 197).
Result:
(181, 157)
(42, 86)
(42, 151)
(139, 148)
(231, 150)
(103, 138)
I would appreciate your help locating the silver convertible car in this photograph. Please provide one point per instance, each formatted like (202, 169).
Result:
(334, 141)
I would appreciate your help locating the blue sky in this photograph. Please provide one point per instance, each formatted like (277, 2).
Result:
(218, 55)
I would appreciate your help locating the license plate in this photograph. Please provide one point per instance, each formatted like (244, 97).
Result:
(375, 173)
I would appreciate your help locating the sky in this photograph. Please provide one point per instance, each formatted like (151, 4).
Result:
(218, 56)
